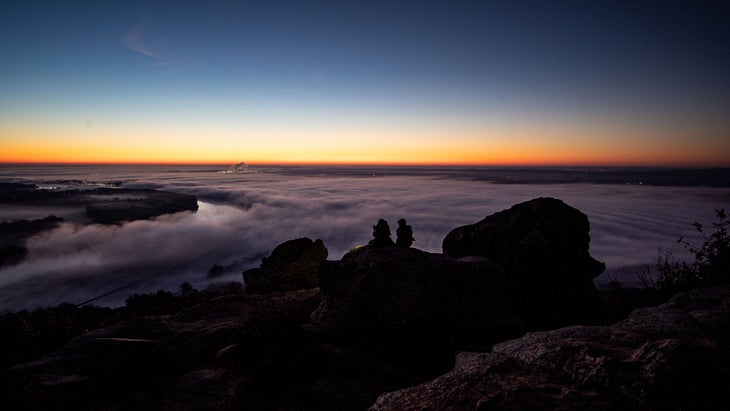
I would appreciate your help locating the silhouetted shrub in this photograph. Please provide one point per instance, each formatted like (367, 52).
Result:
(161, 302)
(26, 335)
(29, 334)
(216, 270)
(712, 260)
(187, 289)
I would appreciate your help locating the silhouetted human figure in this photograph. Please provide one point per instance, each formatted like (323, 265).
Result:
(404, 234)
(381, 235)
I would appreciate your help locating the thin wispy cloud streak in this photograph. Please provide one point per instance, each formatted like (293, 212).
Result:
(135, 39)
(243, 217)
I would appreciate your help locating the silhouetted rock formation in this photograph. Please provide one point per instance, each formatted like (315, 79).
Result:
(675, 356)
(543, 277)
(402, 293)
(542, 245)
(291, 266)
(389, 318)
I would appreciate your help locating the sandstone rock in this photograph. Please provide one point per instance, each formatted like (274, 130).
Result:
(542, 245)
(675, 356)
(291, 266)
(483, 381)
(400, 293)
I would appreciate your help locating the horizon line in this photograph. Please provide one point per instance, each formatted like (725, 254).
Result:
(360, 164)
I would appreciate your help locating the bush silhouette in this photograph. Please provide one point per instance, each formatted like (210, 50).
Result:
(712, 260)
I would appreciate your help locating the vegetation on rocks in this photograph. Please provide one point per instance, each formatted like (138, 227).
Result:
(30, 334)
(711, 263)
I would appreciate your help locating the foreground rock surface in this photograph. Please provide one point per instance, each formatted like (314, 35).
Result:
(675, 356)
(543, 246)
(249, 352)
(393, 317)
(231, 352)
(200, 358)
(291, 266)
(398, 295)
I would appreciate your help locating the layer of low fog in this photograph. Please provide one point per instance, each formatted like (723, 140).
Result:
(243, 217)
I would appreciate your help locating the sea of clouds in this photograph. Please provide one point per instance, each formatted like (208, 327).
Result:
(242, 217)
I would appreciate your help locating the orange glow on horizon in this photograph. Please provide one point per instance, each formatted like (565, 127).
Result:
(514, 147)
(497, 162)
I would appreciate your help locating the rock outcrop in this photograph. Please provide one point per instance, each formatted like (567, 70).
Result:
(393, 317)
(542, 245)
(291, 266)
(675, 356)
(526, 268)
(200, 358)
(397, 293)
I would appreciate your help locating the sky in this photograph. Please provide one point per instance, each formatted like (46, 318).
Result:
(404, 82)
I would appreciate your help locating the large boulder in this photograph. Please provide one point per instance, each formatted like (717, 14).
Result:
(400, 294)
(291, 266)
(542, 245)
(675, 356)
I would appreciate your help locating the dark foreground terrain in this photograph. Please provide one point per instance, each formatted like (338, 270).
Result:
(506, 318)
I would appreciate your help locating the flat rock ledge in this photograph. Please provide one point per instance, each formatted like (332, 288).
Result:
(674, 356)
